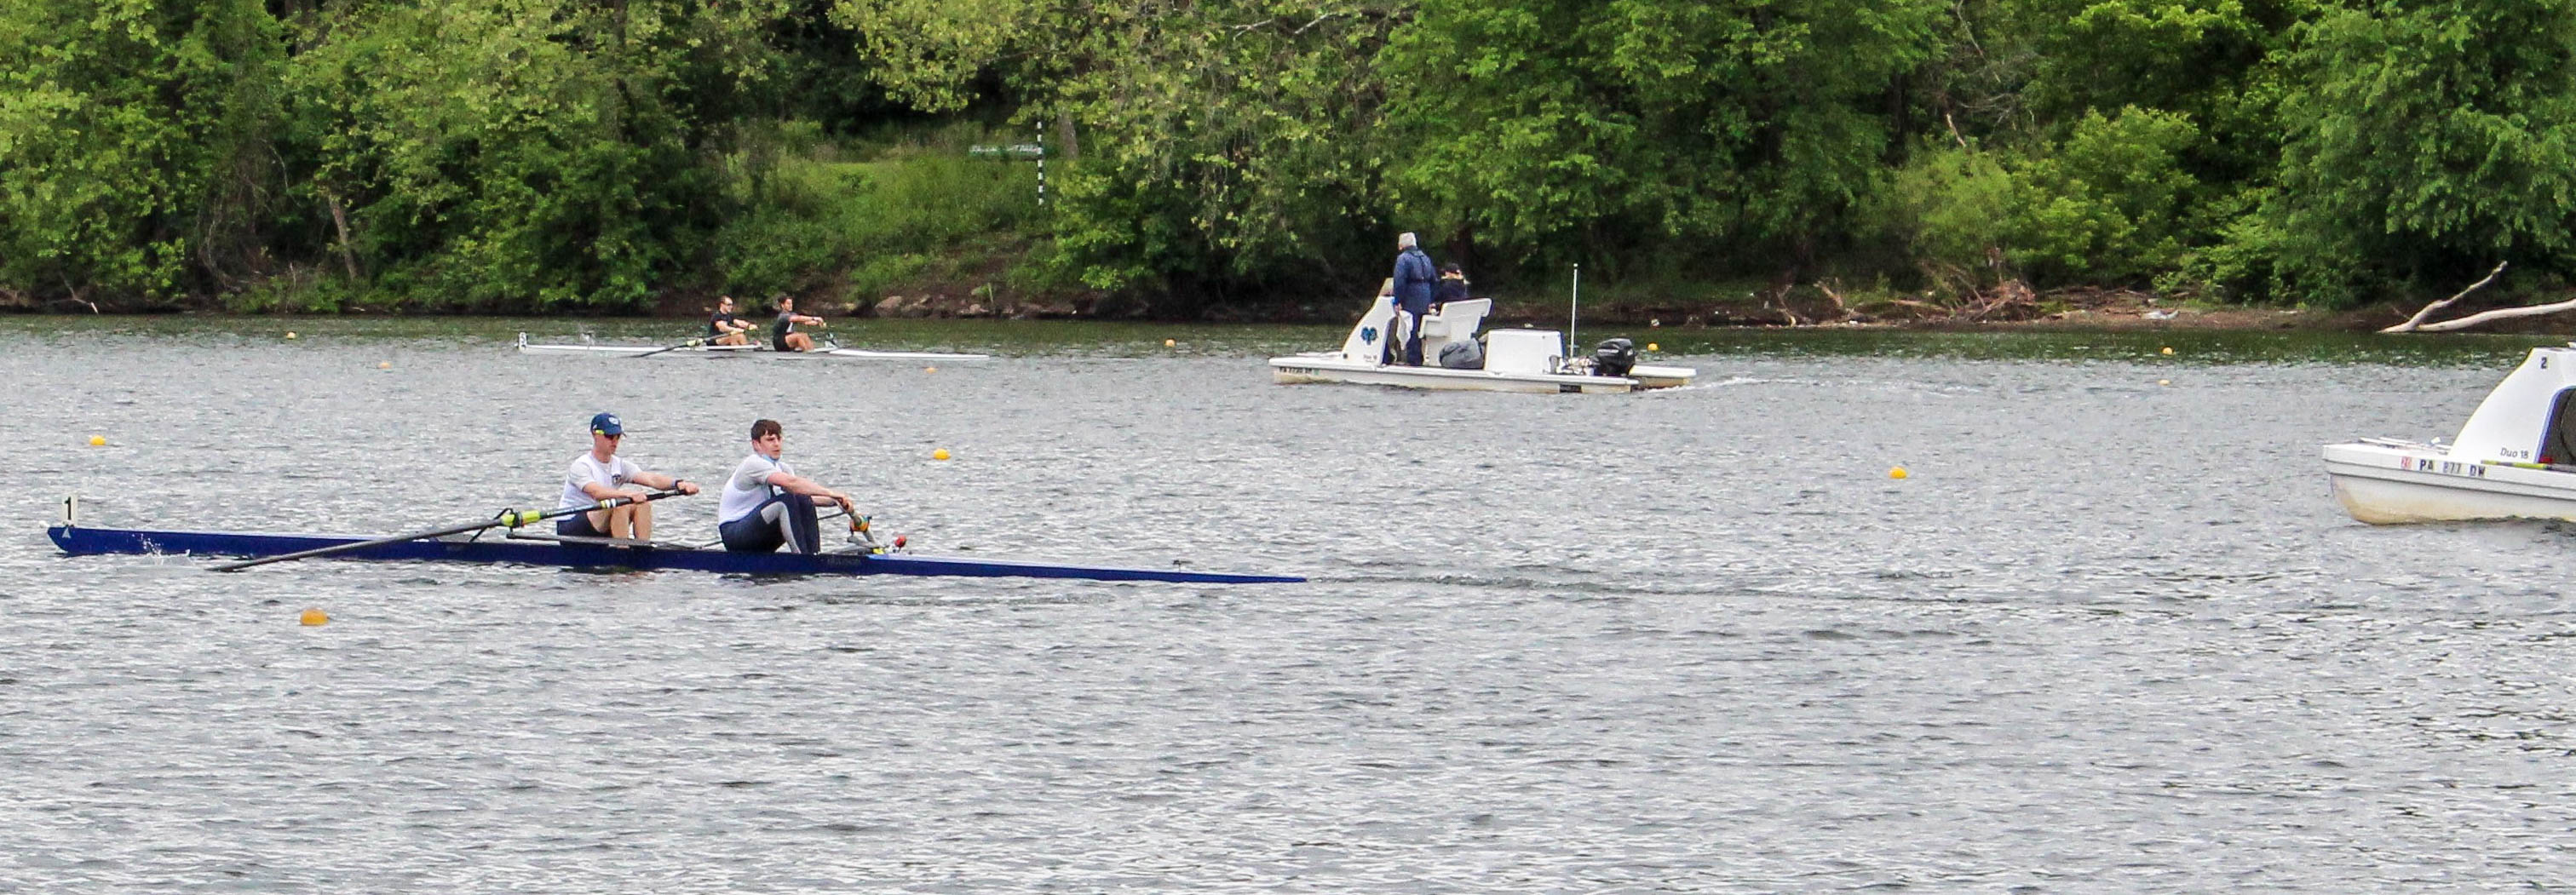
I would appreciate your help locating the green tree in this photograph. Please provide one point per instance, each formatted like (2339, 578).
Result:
(2108, 205)
(1226, 144)
(514, 155)
(134, 157)
(1550, 127)
(2425, 142)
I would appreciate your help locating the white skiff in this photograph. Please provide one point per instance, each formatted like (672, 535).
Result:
(2514, 459)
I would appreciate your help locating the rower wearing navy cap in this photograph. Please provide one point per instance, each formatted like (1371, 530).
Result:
(599, 474)
(766, 504)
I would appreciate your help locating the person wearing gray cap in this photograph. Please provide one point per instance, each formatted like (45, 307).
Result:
(1414, 279)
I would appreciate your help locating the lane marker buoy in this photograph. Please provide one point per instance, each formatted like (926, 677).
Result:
(98, 441)
(314, 618)
(2168, 349)
(290, 334)
(1896, 472)
(940, 454)
(1167, 343)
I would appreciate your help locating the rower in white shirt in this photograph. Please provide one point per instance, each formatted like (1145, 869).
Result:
(600, 474)
(766, 504)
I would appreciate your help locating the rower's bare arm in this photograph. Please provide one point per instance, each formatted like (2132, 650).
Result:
(797, 484)
(666, 482)
(598, 491)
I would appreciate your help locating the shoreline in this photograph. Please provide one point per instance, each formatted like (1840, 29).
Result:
(2128, 314)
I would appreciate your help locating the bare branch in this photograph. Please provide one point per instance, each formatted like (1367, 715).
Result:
(2416, 323)
(1299, 30)
(2497, 314)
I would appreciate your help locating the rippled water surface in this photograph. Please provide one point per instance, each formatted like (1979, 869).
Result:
(2111, 634)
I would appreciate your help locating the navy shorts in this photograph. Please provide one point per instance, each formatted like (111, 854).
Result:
(577, 525)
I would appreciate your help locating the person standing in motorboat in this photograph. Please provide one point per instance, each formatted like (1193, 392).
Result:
(600, 474)
(766, 504)
(723, 328)
(782, 333)
(1414, 278)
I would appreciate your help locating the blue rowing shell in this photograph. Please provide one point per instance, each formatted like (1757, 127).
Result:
(85, 541)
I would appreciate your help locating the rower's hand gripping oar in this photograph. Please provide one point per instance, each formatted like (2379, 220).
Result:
(507, 519)
(859, 535)
(692, 343)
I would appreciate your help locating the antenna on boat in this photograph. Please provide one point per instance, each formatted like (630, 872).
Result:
(1573, 307)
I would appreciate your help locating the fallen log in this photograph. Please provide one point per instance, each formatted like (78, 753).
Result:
(2417, 324)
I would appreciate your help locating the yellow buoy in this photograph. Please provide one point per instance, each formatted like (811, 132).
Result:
(2168, 349)
(1896, 472)
(98, 441)
(1167, 343)
(1650, 346)
(314, 617)
(290, 334)
(2164, 382)
(930, 369)
(384, 365)
(940, 454)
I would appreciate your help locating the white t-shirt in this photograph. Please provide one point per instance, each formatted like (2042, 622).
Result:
(748, 486)
(586, 469)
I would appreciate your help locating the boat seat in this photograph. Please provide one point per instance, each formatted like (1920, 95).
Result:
(1455, 321)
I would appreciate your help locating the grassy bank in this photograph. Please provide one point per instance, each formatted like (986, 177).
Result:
(906, 213)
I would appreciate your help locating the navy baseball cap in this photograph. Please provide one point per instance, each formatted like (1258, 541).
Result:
(607, 424)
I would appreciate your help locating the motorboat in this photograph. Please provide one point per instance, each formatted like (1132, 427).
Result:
(2514, 459)
(1503, 360)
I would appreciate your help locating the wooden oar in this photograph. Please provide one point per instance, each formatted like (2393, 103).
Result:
(692, 343)
(508, 518)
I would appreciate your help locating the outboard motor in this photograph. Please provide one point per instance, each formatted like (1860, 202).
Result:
(1463, 355)
(1615, 357)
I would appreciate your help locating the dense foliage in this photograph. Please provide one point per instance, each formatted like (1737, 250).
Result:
(624, 155)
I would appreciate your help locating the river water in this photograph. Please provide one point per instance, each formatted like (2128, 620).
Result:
(2111, 634)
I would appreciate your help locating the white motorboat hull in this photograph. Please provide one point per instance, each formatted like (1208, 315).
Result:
(737, 351)
(1514, 360)
(2389, 484)
(1333, 368)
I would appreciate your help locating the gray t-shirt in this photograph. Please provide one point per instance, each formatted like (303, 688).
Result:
(748, 486)
(618, 472)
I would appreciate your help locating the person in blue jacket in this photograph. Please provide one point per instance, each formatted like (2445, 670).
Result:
(1414, 279)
